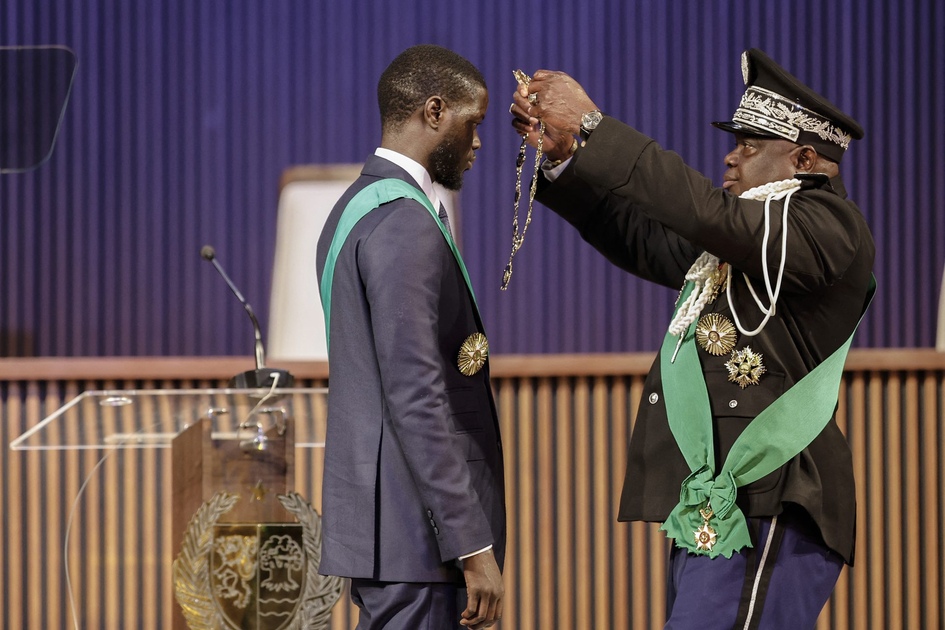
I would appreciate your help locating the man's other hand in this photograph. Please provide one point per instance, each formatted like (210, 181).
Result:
(484, 591)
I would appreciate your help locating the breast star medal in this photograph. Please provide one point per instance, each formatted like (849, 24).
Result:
(716, 334)
(706, 537)
(473, 354)
(745, 367)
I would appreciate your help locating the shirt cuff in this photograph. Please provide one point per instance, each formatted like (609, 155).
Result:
(552, 172)
(469, 555)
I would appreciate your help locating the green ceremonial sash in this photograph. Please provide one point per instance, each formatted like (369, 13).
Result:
(367, 199)
(785, 428)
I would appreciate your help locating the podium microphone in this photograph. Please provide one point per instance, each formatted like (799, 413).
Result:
(261, 376)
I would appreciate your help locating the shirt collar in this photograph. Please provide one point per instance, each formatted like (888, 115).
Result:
(414, 169)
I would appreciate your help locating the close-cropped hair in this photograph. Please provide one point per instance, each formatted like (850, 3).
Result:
(419, 73)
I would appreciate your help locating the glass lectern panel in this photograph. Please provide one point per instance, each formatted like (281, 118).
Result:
(152, 418)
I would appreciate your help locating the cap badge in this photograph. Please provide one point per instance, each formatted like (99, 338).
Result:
(473, 354)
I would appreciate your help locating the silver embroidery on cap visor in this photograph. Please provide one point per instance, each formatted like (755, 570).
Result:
(764, 109)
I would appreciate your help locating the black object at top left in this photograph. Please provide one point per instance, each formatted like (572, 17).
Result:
(35, 82)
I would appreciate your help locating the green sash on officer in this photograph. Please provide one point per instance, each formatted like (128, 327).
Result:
(367, 199)
(774, 437)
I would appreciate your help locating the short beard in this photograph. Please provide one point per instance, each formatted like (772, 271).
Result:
(446, 163)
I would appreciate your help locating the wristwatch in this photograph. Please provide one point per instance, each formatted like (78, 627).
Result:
(589, 122)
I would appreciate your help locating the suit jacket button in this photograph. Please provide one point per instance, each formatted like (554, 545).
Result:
(732, 404)
(654, 398)
(436, 531)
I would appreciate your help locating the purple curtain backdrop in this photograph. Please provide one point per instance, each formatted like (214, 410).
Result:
(184, 114)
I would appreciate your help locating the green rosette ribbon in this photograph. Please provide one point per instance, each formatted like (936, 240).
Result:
(701, 489)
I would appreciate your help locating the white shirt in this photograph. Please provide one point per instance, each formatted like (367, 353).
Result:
(414, 169)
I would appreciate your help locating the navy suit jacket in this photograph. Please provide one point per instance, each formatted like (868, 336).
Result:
(413, 460)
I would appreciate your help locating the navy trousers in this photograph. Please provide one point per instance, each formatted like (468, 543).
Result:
(781, 583)
(408, 606)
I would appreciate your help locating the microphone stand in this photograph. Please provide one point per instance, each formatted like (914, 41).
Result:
(261, 377)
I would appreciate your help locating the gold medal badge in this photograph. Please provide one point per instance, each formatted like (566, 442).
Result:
(473, 354)
(716, 334)
(745, 367)
(705, 536)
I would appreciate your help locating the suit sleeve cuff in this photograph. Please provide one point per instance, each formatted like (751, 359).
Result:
(610, 155)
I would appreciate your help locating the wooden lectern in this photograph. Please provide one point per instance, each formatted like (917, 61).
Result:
(205, 464)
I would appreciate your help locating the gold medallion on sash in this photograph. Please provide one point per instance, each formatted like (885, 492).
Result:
(745, 367)
(716, 334)
(706, 537)
(473, 354)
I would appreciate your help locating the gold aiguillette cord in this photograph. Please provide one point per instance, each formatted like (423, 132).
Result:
(519, 238)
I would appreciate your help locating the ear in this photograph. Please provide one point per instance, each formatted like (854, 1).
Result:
(433, 111)
(805, 158)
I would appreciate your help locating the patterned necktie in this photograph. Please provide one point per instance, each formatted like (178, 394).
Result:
(444, 217)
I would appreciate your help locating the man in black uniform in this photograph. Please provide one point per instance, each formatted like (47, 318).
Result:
(735, 447)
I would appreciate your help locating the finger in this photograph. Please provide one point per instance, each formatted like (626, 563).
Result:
(517, 110)
(523, 123)
(489, 614)
(520, 127)
(497, 609)
(472, 605)
(520, 104)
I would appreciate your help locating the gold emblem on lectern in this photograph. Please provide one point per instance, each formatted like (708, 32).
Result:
(253, 575)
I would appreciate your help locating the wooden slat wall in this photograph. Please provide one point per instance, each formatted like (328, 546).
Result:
(566, 422)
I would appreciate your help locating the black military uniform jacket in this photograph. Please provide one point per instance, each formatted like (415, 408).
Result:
(651, 215)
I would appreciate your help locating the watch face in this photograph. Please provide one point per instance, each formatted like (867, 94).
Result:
(590, 120)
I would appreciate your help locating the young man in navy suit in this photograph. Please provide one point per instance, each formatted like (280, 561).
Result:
(413, 490)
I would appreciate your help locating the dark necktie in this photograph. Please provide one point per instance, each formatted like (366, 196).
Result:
(445, 218)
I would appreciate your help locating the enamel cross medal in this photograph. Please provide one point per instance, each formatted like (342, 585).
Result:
(706, 537)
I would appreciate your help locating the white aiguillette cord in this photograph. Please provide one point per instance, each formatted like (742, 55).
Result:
(769, 192)
(701, 272)
(519, 238)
